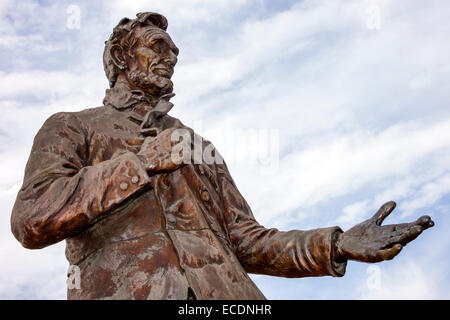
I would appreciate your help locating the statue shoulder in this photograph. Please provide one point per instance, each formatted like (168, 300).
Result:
(76, 120)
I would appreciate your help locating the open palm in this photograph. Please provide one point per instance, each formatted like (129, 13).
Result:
(369, 241)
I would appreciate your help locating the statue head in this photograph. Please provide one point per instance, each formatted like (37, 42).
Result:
(142, 52)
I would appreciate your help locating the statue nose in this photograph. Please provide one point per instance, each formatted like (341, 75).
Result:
(171, 58)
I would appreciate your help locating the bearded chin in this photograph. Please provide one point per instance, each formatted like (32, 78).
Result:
(151, 81)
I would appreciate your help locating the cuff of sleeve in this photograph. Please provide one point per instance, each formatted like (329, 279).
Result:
(111, 182)
(129, 176)
(338, 264)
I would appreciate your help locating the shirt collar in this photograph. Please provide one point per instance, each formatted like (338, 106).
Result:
(121, 98)
(137, 106)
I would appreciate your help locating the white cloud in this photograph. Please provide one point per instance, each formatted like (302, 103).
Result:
(352, 213)
(429, 193)
(362, 114)
(343, 164)
(411, 282)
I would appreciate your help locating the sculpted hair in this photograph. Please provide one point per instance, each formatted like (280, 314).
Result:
(123, 35)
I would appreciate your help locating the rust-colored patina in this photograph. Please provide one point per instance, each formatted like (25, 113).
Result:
(142, 226)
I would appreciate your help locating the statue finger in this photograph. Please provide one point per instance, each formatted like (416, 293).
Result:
(405, 235)
(398, 229)
(390, 253)
(383, 212)
(425, 222)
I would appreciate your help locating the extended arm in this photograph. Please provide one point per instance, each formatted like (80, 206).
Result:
(293, 253)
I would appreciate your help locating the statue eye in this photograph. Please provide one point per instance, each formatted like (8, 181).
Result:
(155, 46)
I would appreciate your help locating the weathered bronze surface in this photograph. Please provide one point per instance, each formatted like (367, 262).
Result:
(141, 226)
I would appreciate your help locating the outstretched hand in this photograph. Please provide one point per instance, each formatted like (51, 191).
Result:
(369, 241)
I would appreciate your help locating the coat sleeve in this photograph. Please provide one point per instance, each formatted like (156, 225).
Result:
(61, 195)
(294, 253)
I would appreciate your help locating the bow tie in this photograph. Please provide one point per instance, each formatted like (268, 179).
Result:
(162, 107)
(125, 99)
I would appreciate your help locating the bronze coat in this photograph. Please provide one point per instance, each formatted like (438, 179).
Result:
(150, 235)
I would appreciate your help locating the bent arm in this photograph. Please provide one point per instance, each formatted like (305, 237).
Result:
(61, 195)
(294, 253)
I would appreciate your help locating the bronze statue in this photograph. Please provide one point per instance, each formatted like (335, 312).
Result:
(140, 225)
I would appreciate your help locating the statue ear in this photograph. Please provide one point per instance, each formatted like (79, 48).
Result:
(118, 57)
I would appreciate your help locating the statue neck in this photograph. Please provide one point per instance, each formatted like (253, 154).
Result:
(126, 97)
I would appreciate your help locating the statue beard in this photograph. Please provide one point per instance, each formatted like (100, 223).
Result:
(151, 82)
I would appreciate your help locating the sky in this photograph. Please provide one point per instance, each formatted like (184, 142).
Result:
(323, 110)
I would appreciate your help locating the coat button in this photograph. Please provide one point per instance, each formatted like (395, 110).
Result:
(171, 220)
(205, 195)
(135, 179)
(123, 186)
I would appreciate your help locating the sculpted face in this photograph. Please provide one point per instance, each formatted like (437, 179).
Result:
(151, 61)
